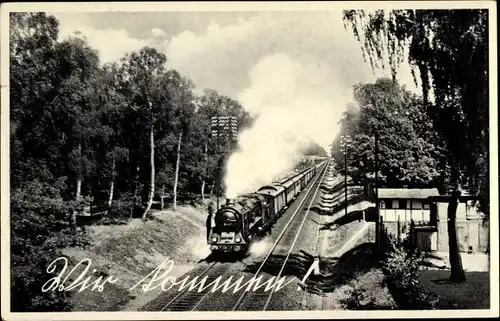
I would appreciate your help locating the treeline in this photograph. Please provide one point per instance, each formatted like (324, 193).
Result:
(113, 136)
(410, 151)
(313, 149)
(450, 51)
(123, 130)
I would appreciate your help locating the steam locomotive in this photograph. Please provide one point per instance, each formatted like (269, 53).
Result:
(251, 215)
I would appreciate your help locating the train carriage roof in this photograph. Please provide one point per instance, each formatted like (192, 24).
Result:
(289, 183)
(271, 190)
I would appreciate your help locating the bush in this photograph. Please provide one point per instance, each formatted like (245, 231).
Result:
(39, 229)
(402, 268)
(123, 208)
(358, 300)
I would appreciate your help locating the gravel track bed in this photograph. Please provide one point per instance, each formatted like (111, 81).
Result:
(219, 301)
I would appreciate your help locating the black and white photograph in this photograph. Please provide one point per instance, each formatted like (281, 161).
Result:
(290, 159)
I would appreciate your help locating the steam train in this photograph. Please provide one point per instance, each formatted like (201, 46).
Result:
(251, 215)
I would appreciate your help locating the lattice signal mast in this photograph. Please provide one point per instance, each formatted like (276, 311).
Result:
(225, 127)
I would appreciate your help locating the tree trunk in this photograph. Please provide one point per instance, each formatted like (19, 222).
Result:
(177, 163)
(377, 204)
(78, 188)
(112, 184)
(162, 197)
(152, 164)
(204, 173)
(457, 271)
(78, 194)
(136, 188)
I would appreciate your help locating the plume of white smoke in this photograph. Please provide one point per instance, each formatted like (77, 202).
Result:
(260, 247)
(292, 108)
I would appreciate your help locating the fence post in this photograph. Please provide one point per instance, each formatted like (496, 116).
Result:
(383, 236)
(412, 234)
(380, 234)
(386, 240)
(399, 231)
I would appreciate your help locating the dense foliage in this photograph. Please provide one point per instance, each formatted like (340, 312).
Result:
(314, 149)
(449, 49)
(402, 266)
(39, 230)
(99, 138)
(409, 148)
(87, 137)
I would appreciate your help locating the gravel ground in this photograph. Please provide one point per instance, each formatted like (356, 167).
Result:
(355, 271)
(310, 243)
(327, 290)
(313, 242)
(247, 266)
(130, 252)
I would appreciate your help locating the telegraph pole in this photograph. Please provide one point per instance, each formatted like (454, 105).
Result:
(376, 170)
(218, 163)
(377, 209)
(344, 142)
(345, 178)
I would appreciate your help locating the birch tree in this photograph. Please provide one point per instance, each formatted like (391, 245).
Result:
(140, 72)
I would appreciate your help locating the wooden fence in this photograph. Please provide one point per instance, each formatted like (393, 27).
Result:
(399, 231)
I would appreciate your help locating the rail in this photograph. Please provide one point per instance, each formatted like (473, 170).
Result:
(187, 300)
(266, 295)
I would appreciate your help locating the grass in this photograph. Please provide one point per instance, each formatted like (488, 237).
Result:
(132, 251)
(339, 235)
(363, 281)
(474, 293)
(353, 280)
(373, 294)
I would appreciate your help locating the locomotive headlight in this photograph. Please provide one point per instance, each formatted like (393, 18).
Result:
(214, 239)
(238, 240)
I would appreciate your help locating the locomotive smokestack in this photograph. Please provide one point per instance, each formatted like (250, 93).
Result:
(228, 201)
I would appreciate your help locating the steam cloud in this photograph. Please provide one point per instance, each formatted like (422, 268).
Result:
(292, 108)
(261, 247)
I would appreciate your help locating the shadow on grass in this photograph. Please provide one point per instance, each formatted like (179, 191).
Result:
(445, 281)
(433, 265)
(334, 271)
(431, 255)
(474, 293)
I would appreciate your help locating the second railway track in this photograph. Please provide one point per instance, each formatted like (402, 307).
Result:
(257, 300)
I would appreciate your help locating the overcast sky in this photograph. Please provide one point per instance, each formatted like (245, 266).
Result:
(257, 58)
(218, 49)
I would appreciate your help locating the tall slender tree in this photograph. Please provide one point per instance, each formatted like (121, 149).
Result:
(141, 71)
(79, 67)
(449, 48)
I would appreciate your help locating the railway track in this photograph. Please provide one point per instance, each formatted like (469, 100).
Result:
(259, 300)
(187, 300)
